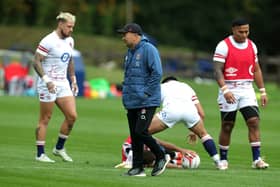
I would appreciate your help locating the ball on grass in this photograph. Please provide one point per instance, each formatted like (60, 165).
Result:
(191, 161)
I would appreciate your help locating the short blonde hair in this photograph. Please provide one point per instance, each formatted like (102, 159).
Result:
(66, 16)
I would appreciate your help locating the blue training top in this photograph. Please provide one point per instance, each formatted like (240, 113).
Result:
(142, 75)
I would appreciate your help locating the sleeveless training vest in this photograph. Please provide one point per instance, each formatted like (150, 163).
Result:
(240, 63)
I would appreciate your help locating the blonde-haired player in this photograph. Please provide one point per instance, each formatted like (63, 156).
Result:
(53, 62)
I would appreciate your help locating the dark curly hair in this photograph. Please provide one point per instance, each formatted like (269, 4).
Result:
(169, 78)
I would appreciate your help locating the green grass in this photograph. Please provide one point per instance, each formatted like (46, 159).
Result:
(95, 145)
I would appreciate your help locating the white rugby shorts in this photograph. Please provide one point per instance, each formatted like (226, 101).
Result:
(244, 95)
(62, 90)
(174, 113)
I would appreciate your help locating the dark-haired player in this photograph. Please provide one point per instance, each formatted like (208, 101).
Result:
(236, 67)
(175, 153)
(180, 104)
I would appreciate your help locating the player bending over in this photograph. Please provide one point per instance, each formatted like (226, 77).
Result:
(180, 103)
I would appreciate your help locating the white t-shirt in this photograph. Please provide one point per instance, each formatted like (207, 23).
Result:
(58, 53)
(178, 104)
(175, 92)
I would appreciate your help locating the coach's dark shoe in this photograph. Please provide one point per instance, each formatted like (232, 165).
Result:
(160, 166)
(138, 172)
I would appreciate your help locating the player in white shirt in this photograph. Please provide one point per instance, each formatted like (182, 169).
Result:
(53, 62)
(180, 104)
(236, 68)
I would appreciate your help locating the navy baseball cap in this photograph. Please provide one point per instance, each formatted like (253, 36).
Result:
(131, 27)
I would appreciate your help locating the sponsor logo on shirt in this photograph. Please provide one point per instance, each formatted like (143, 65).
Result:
(65, 57)
(231, 71)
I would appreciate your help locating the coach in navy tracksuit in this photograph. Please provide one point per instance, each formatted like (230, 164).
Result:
(141, 96)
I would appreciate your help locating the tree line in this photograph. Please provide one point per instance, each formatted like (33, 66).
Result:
(198, 25)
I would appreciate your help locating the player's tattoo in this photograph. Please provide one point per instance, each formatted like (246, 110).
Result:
(37, 64)
(218, 70)
(71, 68)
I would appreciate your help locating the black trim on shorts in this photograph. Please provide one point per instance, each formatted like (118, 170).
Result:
(228, 116)
(249, 112)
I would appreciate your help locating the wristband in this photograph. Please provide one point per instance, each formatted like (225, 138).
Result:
(46, 79)
(224, 88)
(225, 91)
(262, 89)
(262, 94)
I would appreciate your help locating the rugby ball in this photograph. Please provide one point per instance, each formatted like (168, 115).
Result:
(190, 161)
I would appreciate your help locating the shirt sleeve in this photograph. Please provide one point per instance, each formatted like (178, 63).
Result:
(44, 47)
(221, 52)
(194, 97)
(255, 51)
(71, 42)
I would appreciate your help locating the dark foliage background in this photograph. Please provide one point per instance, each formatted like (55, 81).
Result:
(195, 24)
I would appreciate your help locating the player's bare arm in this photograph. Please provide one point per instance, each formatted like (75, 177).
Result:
(191, 136)
(200, 111)
(39, 70)
(38, 64)
(71, 68)
(173, 147)
(71, 71)
(260, 84)
(258, 76)
(218, 73)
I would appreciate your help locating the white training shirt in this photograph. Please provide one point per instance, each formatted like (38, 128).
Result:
(58, 53)
(222, 49)
(175, 92)
(178, 104)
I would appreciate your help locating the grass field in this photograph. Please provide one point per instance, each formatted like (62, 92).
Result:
(95, 145)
